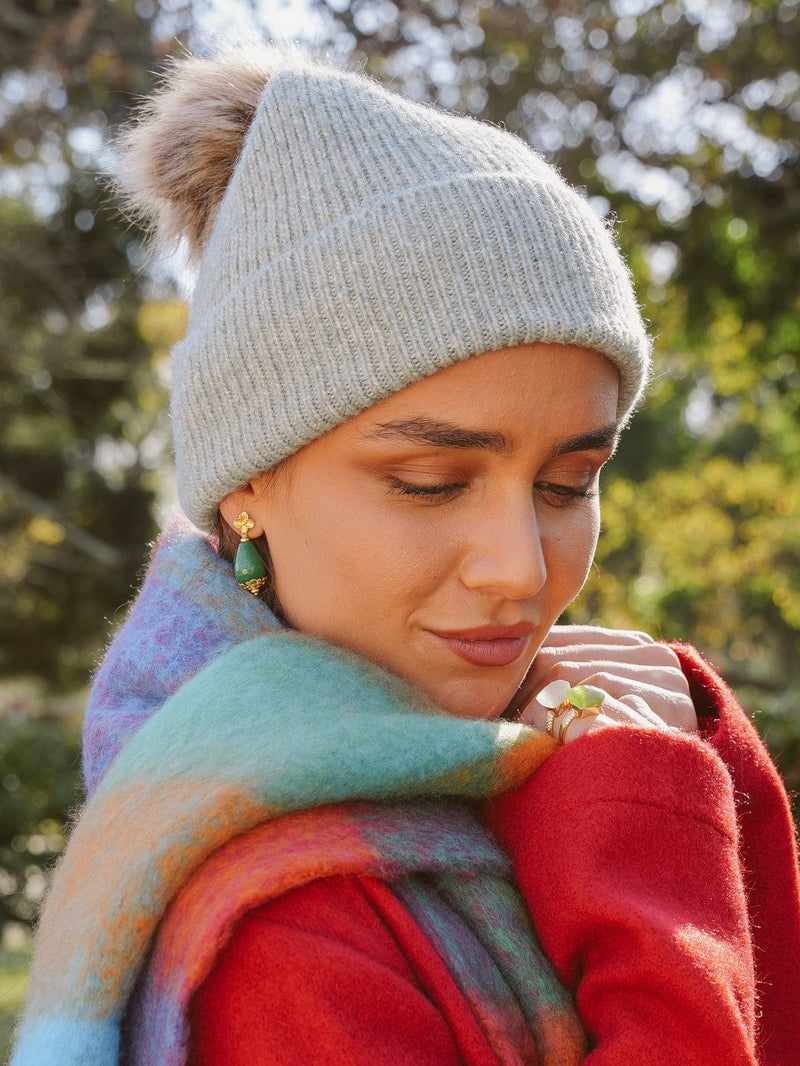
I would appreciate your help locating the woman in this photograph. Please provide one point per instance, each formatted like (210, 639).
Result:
(373, 805)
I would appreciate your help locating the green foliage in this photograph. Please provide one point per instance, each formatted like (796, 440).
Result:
(40, 784)
(80, 435)
(13, 985)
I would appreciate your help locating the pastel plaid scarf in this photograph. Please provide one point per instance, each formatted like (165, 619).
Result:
(241, 766)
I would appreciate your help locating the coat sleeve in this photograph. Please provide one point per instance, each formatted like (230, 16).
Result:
(333, 972)
(625, 846)
(767, 855)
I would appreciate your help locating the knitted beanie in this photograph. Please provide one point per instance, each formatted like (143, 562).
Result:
(363, 242)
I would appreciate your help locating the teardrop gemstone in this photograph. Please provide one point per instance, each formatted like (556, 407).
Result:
(248, 565)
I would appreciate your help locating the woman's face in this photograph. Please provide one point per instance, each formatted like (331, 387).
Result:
(442, 532)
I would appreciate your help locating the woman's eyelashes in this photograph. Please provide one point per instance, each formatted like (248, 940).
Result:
(554, 493)
(436, 492)
(561, 495)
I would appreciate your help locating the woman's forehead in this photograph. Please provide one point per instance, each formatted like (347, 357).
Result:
(486, 400)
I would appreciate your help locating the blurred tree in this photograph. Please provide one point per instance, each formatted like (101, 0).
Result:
(681, 119)
(82, 423)
(39, 755)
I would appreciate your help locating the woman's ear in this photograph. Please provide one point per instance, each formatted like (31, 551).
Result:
(256, 497)
(246, 499)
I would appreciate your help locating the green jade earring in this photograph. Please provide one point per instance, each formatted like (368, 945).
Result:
(248, 566)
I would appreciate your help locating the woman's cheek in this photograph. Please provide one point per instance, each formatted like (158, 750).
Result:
(569, 546)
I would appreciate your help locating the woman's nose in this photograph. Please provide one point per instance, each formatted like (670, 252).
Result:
(505, 554)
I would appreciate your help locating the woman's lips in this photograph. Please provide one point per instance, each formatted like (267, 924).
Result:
(488, 645)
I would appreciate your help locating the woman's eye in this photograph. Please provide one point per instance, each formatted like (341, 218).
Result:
(563, 495)
(556, 494)
(437, 492)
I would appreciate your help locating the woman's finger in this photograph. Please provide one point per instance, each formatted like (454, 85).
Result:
(632, 703)
(637, 654)
(567, 728)
(636, 712)
(656, 657)
(656, 664)
(667, 677)
(560, 636)
(536, 715)
(641, 707)
(672, 706)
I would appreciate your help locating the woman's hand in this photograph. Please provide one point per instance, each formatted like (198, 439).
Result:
(643, 681)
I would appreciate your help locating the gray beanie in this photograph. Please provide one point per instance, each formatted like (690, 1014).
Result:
(364, 242)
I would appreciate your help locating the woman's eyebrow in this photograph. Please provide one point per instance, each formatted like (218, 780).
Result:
(594, 440)
(422, 430)
(439, 434)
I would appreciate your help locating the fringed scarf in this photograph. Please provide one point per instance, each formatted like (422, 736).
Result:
(227, 761)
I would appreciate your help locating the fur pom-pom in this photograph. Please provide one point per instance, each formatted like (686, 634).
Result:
(174, 162)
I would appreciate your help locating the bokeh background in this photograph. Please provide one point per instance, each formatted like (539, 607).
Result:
(680, 122)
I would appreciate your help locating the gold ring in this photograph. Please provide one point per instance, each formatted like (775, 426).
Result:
(563, 707)
(589, 712)
(569, 718)
(567, 702)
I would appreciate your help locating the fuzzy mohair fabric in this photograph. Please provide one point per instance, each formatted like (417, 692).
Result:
(238, 769)
(189, 610)
(351, 242)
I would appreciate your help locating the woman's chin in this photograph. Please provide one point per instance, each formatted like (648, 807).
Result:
(485, 695)
(480, 700)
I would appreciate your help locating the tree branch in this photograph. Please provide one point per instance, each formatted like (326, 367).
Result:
(103, 554)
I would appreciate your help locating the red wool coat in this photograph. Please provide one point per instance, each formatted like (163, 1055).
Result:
(661, 875)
